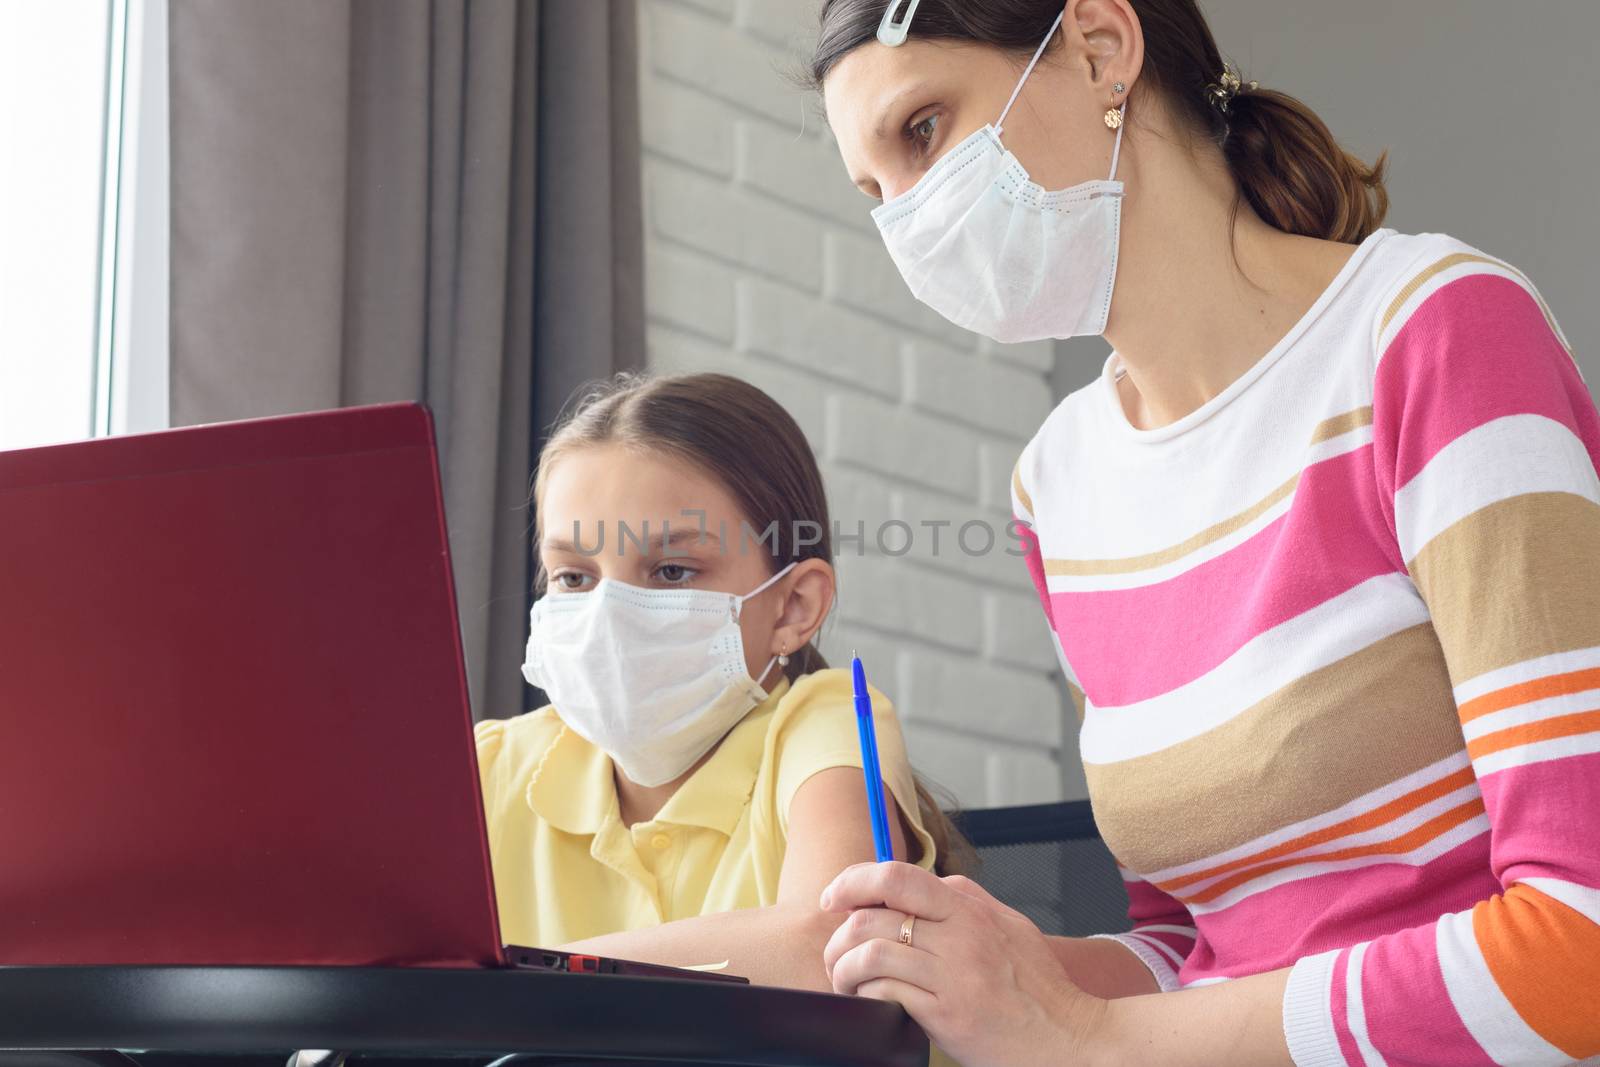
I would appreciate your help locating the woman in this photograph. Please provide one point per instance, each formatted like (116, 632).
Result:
(1320, 547)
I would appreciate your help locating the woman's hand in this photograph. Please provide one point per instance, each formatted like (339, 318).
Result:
(979, 977)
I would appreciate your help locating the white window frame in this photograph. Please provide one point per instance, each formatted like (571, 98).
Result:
(115, 286)
(133, 354)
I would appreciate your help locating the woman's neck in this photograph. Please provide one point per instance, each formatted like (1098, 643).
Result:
(1201, 296)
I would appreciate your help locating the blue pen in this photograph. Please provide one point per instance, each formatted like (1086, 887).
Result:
(870, 769)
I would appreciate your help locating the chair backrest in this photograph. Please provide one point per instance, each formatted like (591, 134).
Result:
(66, 1059)
(1048, 862)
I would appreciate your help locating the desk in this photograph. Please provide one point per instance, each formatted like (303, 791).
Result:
(437, 1013)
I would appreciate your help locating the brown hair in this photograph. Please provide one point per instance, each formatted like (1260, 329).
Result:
(739, 435)
(1286, 163)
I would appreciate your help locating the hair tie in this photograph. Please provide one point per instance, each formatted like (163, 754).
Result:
(1221, 92)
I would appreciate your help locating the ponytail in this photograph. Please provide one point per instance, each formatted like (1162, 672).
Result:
(1295, 175)
(1285, 161)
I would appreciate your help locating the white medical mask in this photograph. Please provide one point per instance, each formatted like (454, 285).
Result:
(652, 677)
(993, 252)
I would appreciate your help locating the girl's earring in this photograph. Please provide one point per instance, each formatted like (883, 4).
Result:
(783, 656)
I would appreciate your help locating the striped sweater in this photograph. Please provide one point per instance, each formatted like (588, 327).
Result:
(1334, 641)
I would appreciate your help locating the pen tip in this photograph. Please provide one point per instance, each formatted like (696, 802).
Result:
(853, 654)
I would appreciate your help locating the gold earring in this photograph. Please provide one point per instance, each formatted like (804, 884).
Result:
(1114, 113)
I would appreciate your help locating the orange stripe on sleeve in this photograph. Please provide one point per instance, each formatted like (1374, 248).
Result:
(1553, 685)
(1544, 730)
(1542, 990)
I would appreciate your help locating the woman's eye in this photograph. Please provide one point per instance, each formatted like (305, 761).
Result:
(674, 573)
(570, 581)
(921, 133)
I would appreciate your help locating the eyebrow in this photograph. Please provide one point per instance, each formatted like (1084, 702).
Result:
(881, 131)
(889, 106)
(684, 536)
(676, 538)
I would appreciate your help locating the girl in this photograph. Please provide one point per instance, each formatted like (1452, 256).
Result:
(1320, 548)
(696, 780)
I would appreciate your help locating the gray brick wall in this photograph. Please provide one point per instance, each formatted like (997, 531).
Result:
(762, 261)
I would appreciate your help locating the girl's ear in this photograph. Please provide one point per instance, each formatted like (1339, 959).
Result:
(808, 597)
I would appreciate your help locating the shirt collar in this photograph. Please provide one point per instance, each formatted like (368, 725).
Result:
(715, 795)
(573, 789)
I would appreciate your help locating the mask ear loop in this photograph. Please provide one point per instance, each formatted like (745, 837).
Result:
(738, 601)
(1116, 146)
(1000, 123)
(761, 678)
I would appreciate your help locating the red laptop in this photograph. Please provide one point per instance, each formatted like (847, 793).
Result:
(233, 711)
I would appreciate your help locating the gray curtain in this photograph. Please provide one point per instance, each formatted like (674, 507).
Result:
(435, 200)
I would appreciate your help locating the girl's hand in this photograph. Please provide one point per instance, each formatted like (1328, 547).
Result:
(979, 977)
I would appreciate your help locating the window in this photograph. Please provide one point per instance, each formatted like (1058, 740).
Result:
(83, 219)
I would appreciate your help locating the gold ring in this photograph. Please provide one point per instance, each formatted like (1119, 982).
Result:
(908, 928)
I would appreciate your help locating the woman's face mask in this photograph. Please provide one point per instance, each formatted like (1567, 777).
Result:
(652, 677)
(993, 252)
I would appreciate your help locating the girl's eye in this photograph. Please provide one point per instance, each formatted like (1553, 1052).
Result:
(674, 573)
(921, 133)
(570, 581)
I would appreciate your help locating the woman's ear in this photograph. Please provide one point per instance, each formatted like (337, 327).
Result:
(807, 599)
(1113, 40)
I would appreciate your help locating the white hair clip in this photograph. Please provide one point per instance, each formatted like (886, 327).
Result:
(893, 33)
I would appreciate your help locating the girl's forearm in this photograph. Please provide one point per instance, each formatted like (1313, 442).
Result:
(777, 945)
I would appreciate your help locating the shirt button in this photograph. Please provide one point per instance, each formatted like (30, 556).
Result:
(661, 842)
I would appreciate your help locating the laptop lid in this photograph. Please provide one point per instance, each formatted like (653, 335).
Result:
(234, 724)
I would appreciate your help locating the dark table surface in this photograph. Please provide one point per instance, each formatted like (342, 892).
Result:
(223, 1012)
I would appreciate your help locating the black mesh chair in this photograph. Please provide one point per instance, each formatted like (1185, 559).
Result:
(1048, 862)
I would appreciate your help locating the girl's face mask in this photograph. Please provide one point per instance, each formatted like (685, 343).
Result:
(652, 677)
(993, 252)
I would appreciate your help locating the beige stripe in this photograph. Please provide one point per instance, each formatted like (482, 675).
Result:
(1456, 259)
(1323, 431)
(1318, 743)
(1130, 564)
(1411, 287)
(1328, 429)
(1513, 581)
(1022, 494)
